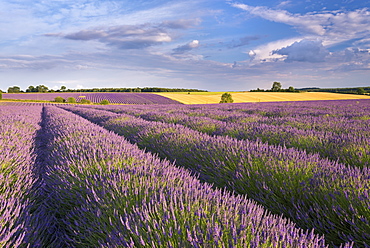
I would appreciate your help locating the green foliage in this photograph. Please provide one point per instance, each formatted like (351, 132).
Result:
(1, 95)
(71, 99)
(59, 99)
(85, 101)
(31, 89)
(39, 88)
(276, 86)
(360, 91)
(42, 88)
(104, 102)
(14, 89)
(226, 98)
(353, 90)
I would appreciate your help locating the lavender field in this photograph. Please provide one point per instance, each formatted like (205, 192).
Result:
(118, 98)
(288, 174)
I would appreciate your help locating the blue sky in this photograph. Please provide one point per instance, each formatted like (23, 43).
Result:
(217, 45)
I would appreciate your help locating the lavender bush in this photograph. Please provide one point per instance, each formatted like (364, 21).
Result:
(18, 129)
(341, 136)
(75, 184)
(314, 192)
(348, 148)
(112, 194)
(66, 182)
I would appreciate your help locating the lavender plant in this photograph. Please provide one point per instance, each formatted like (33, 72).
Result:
(314, 192)
(341, 138)
(98, 190)
(18, 128)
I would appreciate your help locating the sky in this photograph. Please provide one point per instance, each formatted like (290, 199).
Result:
(214, 45)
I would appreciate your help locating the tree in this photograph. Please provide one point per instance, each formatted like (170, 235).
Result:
(1, 95)
(276, 86)
(31, 89)
(59, 99)
(71, 100)
(104, 102)
(42, 88)
(63, 88)
(226, 98)
(14, 89)
(360, 91)
(291, 89)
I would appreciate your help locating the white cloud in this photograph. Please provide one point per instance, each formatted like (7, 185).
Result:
(187, 47)
(284, 4)
(340, 25)
(132, 36)
(122, 36)
(319, 31)
(308, 23)
(264, 53)
(365, 43)
(303, 51)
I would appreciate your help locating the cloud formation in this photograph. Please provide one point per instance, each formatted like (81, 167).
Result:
(181, 23)
(304, 51)
(123, 36)
(187, 47)
(132, 36)
(244, 41)
(319, 31)
(345, 24)
(175, 43)
(308, 23)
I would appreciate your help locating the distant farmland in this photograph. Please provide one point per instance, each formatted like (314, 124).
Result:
(238, 97)
(117, 98)
(183, 97)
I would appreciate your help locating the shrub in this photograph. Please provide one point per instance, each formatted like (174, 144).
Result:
(85, 101)
(59, 99)
(71, 100)
(226, 98)
(104, 102)
(360, 91)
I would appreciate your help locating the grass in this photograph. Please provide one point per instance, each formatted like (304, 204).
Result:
(238, 97)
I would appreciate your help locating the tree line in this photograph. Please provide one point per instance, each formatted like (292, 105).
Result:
(276, 87)
(45, 89)
(354, 90)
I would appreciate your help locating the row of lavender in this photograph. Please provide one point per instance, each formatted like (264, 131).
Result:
(18, 129)
(313, 192)
(122, 98)
(332, 131)
(336, 116)
(83, 186)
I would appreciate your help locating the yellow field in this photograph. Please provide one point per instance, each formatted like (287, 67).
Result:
(215, 97)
